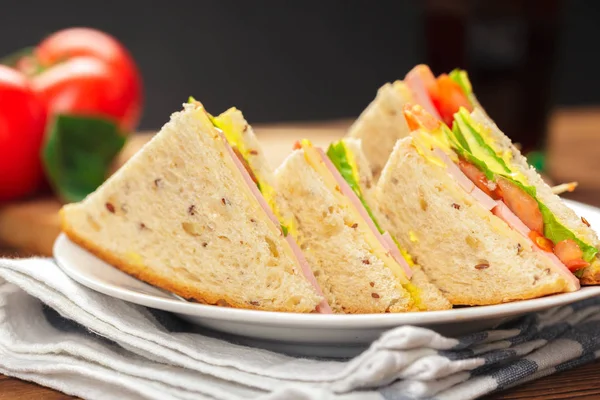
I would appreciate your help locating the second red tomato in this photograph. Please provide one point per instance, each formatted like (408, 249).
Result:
(88, 72)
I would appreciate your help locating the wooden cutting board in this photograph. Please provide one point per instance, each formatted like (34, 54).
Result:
(30, 227)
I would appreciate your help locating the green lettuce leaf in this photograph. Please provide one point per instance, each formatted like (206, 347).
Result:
(338, 156)
(462, 78)
(285, 230)
(459, 138)
(553, 229)
(479, 147)
(556, 232)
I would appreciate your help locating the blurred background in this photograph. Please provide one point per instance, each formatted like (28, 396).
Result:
(318, 60)
(533, 65)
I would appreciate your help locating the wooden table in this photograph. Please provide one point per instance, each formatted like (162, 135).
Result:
(574, 155)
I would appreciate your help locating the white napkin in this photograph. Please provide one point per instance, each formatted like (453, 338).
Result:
(57, 333)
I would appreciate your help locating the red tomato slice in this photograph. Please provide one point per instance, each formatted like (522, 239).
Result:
(22, 122)
(569, 252)
(451, 98)
(575, 265)
(522, 204)
(476, 176)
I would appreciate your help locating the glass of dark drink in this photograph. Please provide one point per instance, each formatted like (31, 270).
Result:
(509, 49)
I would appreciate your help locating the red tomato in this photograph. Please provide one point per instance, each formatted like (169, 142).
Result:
(22, 122)
(88, 72)
(476, 176)
(522, 204)
(450, 99)
(569, 252)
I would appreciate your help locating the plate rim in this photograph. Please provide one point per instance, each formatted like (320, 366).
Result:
(275, 318)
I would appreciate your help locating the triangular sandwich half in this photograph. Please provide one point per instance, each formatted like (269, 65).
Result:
(360, 269)
(381, 124)
(477, 239)
(185, 215)
(443, 97)
(492, 152)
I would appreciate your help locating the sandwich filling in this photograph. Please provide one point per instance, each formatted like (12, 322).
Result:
(254, 191)
(345, 162)
(234, 133)
(442, 96)
(477, 169)
(347, 191)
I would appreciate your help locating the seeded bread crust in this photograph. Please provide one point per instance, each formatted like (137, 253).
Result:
(380, 125)
(179, 215)
(146, 274)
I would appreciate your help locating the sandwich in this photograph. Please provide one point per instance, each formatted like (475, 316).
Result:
(382, 123)
(360, 268)
(449, 98)
(477, 225)
(194, 213)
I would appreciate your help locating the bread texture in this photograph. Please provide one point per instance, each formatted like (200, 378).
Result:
(180, 216)
(430, 296)
(566, 216)
(259, 164)
(472, 256)
(353, 280)
(252, 148)
(380, 125)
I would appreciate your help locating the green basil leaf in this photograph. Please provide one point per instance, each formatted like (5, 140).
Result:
(78, 154)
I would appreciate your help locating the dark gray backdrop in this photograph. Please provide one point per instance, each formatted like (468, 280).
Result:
(279, 60)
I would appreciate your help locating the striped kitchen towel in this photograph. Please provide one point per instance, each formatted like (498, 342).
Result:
(60, 334)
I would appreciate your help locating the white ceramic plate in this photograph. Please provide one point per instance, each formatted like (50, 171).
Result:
(306, 334)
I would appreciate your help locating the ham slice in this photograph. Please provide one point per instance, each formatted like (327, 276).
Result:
(386, 241)
(505, 214)
(419, 91)
(486, 201)
(323, 307)
(392, 247)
